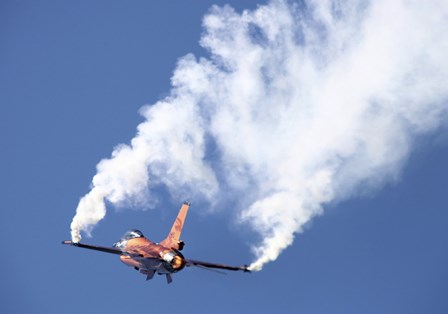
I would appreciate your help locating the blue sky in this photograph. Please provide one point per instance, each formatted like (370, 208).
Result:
(74, 76)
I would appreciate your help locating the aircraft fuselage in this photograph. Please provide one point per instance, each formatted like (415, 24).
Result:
(146, 255)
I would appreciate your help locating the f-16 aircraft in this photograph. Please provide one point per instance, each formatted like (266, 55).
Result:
(163, 258)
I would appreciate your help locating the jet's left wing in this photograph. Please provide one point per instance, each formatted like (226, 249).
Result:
(191, 262)
(95, 247)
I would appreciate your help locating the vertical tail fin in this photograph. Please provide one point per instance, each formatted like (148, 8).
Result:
(172, 240)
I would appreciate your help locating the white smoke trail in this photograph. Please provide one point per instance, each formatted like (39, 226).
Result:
(299, 105)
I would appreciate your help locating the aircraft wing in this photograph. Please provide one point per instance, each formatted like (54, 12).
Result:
(191, 262)
(95, 247)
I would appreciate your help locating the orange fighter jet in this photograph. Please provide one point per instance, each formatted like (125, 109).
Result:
(149, 258)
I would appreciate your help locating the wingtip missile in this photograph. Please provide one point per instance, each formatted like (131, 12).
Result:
(246, 269)
(69, 242)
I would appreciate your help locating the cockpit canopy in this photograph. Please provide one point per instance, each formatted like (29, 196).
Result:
(132, 234)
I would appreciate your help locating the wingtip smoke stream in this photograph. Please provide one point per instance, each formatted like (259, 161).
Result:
(298, 105)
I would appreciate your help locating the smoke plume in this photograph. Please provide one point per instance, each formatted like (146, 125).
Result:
(298, 105)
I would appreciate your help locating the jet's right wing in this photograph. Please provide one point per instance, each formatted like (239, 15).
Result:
(191, 262)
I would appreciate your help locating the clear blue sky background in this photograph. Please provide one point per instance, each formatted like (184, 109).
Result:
(73, 75)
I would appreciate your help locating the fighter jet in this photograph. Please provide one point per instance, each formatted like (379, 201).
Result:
(163, 258)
